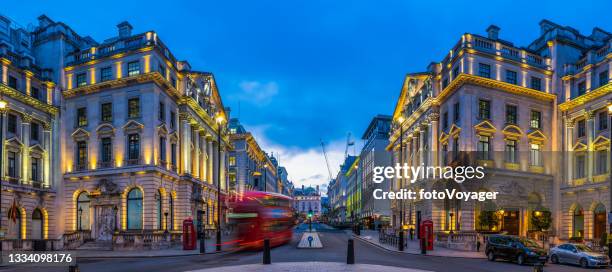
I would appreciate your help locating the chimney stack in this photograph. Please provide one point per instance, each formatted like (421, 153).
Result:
(493, 32)
(125, 29)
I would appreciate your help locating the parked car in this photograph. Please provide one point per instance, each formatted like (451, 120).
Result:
(578, 254)
(513, 248)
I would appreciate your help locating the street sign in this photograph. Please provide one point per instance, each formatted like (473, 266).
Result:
(310, 241)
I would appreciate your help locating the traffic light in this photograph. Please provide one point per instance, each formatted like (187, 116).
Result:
(309, 214)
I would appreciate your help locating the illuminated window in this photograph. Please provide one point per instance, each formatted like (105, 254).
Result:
(106, 153)
(133, 147)
(134, 209)
(483, 147)
(511, 114)
(81, 79)
(81, 155)
(106, 112)
(536, 119)
(134, 107)
(511, 151)
(82, 211)
(133, 68)
(232, 161)
(535, 155)
(106, 74)
(511, 77)
(82, 117)
(484, 109)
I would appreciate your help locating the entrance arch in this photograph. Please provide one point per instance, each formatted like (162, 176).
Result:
(37, 224)
(577, 221)
(599, 221)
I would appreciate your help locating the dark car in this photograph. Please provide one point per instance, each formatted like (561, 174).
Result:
(512, 248)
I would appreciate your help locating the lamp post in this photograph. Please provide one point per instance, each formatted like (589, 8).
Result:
(3, 107)
(220, 120)
(265, 177)
(610, 183)
(80, 218)
(452, 223)
(400, 120)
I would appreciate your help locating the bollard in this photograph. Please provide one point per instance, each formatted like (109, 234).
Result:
(538, 267)
(350, 255)
(266, 255)
(73, 268)
(401, 241)
(423, 246)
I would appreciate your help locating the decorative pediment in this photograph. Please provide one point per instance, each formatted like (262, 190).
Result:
(37, 149)
(105, 130)
(485, 127)
(162, 130)
(133, 127)
(80, 135)
(454, 130)
(443, 137)
(536, 135)
(579, 147)
(601, 141)
(14, 142)
(512, 131)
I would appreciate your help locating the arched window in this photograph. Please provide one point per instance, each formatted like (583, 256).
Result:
(134, 209)
(158, 207)
(37, 225)
(82, 211)
(171, 220)
(578, 222)
(599, 221)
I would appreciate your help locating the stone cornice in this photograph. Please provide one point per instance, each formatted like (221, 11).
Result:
(155, 77)
(581, 100)
(28, 100)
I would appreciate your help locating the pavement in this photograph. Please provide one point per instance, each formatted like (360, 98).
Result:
(311, 267)
(413, 247)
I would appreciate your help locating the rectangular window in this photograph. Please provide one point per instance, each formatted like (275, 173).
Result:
(133, 148)
(456, 113)
(173, 154)
(12, 82)
(81, 79)
(35, 92)
(581, 128)
(81, 117)
(81, 155)
(106, 74)
(581, 88)
(603, 120)
(484, 109)
(536, 83)
(173, 81)
(535, 156)
(483, 147)
(34, 169)
(34, 132)
(12, 164)
(511, 77)
(602, 162)
(484, 70)
(133, 68)
(12, 123)
(511, 151)
(536, 119)
(603, 78)
(162, 112)
(511, 114)
(162, 71)
(172, 119)
(106, 145)
(106, 110)
(232, 161)
(134, 107)
(455, 72)
(456, 148)
(445, 121)
(162, 149)
(580, 166)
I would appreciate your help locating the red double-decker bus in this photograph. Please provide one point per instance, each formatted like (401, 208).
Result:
(255, 216)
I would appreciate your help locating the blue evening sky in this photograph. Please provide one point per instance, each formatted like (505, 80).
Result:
(305, 70)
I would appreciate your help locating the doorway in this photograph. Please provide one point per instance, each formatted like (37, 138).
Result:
(511, 222)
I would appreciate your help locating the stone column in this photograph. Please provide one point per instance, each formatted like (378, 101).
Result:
(202, 150)
(25, 152)
(196, 158)
(47, 156)
(433, 136)
(590, 132)
(28, 81)
(186, 143)
(569, 138)
(422, 146)
(5, 64)
(209, 160)
(222, 168)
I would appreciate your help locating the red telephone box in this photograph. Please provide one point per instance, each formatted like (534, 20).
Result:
(189, 235)
(426, 232)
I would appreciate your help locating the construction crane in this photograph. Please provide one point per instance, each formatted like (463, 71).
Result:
(326, 159)
(348, 143)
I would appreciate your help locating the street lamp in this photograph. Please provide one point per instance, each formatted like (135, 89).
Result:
(220, 118)
(3, 108)
(265, 177)
(80, 218)
(452, 223)
(400, 120)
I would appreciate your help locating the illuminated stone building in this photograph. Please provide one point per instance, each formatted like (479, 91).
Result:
(250, 167)
(30, 176)
(488, 103)
(307, 200)
(139, 138)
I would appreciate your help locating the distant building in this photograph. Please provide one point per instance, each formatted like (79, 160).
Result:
(307, 200)
(338, 192)
(373, 154)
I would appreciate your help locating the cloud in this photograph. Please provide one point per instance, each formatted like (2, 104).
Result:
(256, 92)
(305, 166)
